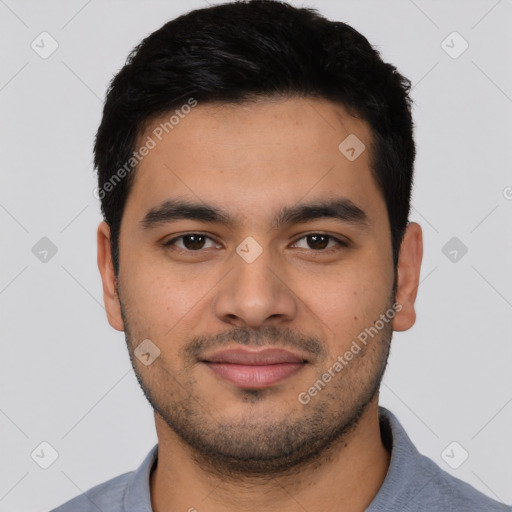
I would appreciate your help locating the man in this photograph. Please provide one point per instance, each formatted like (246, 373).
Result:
(255, 166)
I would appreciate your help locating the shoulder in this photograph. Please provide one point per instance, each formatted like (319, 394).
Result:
(443, 491)
(106, 496)
(126, 492)
(415, 483)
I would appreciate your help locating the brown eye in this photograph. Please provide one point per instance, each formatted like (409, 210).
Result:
(191, 242)
(320, 241)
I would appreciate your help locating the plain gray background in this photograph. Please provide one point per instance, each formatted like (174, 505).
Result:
(65, 376)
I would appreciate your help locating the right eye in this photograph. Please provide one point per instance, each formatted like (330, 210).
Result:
(190, 242)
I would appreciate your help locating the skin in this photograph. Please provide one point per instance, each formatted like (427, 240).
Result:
(222, 447)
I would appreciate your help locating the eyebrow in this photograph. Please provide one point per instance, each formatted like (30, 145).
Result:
(341, 209)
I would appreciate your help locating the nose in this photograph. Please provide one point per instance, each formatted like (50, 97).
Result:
(255, 293)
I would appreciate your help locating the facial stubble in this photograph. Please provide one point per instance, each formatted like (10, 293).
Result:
(258, 446)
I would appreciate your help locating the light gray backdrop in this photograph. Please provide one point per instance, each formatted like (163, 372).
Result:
(65, 376)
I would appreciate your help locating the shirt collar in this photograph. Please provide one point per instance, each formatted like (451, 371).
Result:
(407, 465)
(137, 496)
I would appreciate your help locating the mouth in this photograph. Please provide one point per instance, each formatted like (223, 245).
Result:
(254, 370)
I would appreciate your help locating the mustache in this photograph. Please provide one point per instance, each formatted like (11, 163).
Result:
(264, 337)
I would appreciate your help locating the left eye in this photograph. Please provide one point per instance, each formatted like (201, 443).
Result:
(320, 241)
(194, 242)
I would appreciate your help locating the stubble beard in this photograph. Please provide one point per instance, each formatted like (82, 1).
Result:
(263, 448)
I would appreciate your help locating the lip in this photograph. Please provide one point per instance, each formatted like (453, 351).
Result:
(254, 369)
(251, 357)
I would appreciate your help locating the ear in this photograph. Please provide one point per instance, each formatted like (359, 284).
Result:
(408, 276)
(106, 268)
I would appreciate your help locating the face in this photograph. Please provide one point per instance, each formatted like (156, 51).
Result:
(252, 291)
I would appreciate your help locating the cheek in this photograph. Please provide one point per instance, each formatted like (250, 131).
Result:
(161, 298)
(158, 302)
(350, 299)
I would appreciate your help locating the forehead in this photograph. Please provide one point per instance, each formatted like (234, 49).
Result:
(255, 157)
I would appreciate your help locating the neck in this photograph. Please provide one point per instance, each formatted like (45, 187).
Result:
(346, 478)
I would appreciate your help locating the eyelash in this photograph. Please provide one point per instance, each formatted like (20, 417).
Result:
(340, 243)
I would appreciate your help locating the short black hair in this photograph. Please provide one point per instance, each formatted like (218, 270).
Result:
(244, 50)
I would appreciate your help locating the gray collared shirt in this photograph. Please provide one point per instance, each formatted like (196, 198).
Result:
(413, 483)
